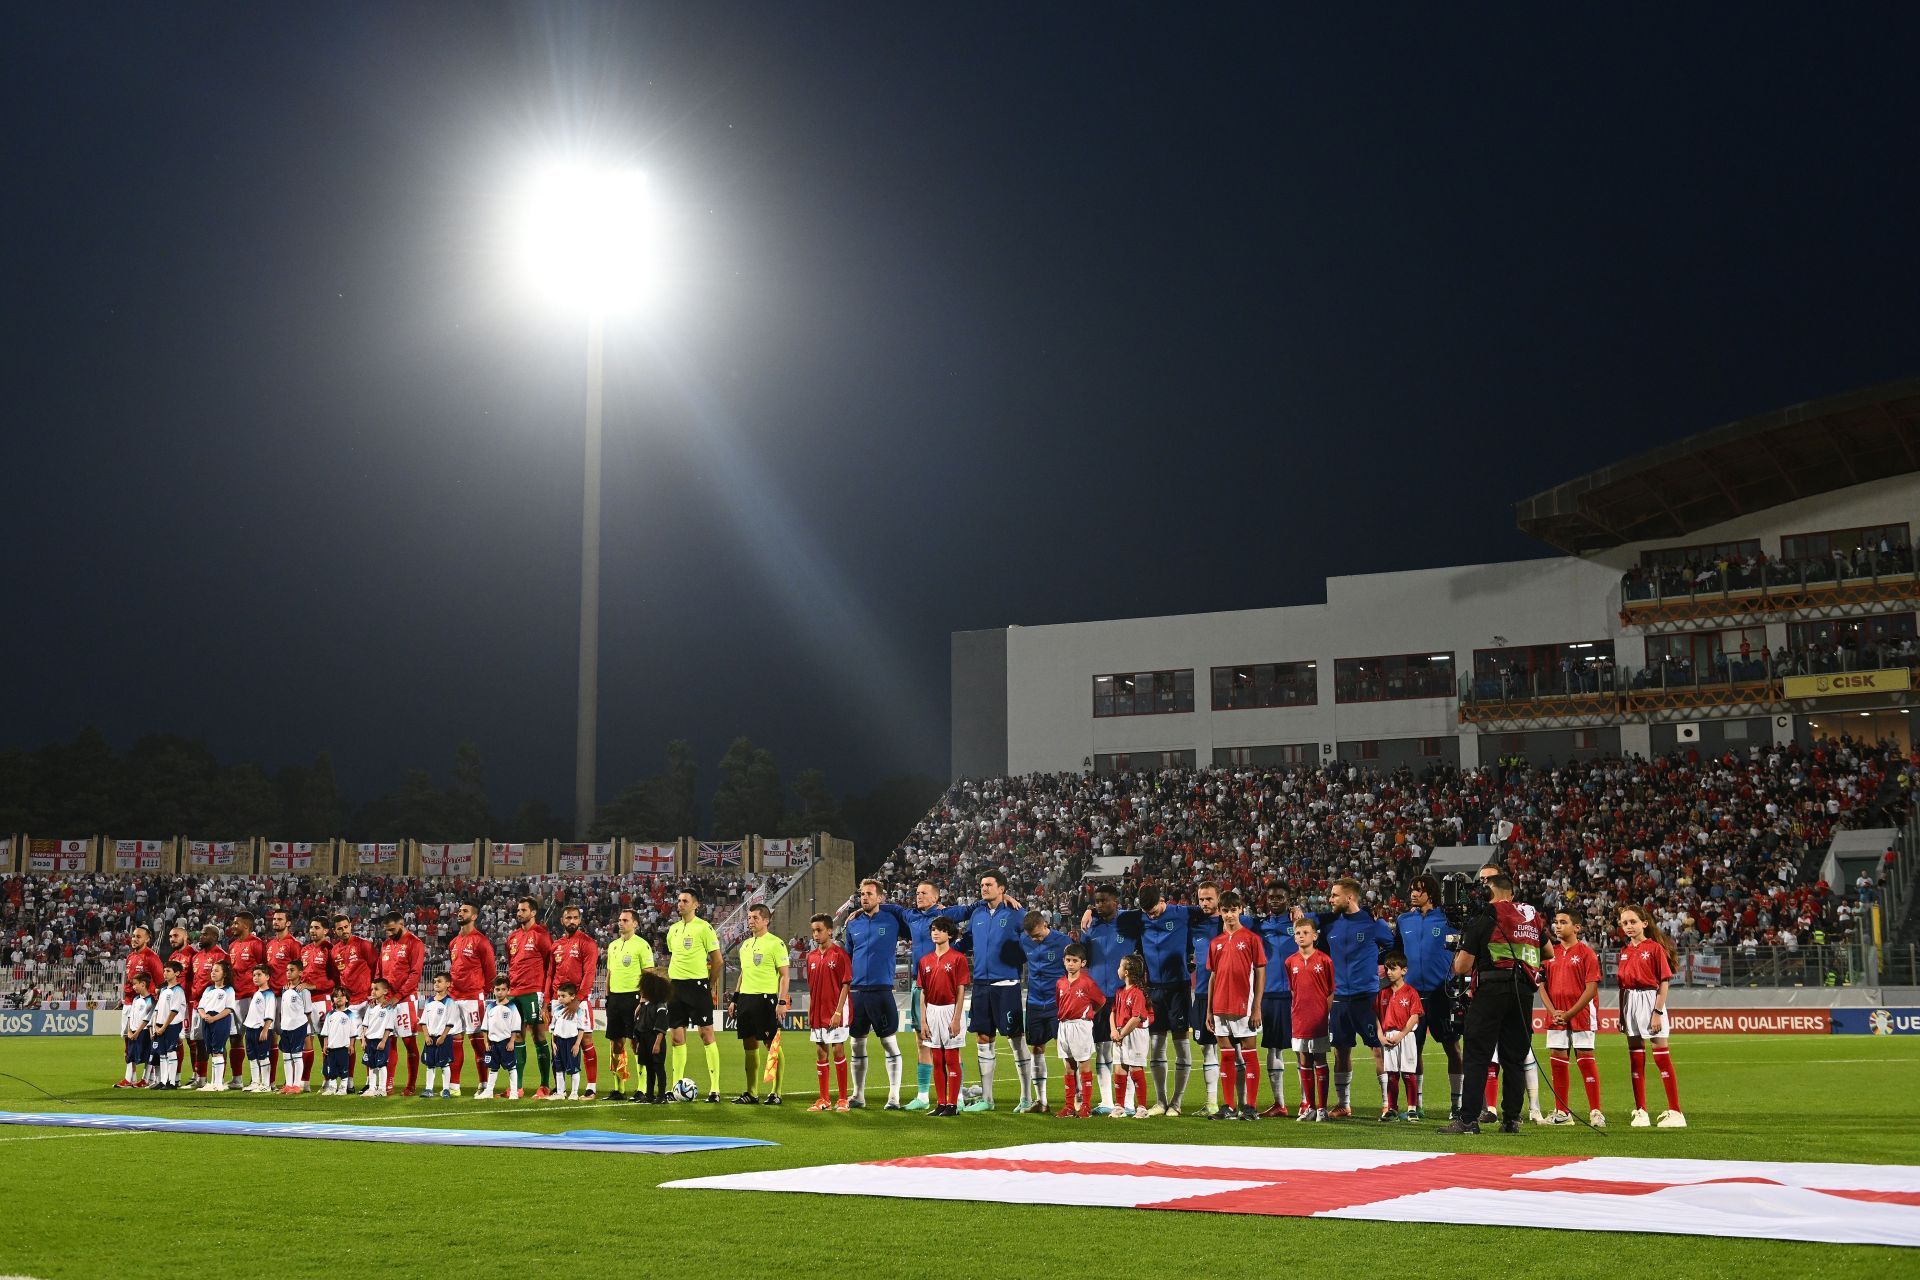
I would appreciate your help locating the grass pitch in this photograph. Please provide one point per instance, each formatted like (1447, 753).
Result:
(83, 1203)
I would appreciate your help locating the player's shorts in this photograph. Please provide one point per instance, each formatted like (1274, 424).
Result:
(1351, 1018)
(996, 1010)
(566, 1054)
(691, 1004)
(466, 1017)
(376, 1055)
(406, 1017)
(754, 1016)
(1276, 1020)
(1310, 1044)
(1172, 1007)
(1133, 1048)
(828, 1035)
(1637, 1017)
(437, 1055)
(873, 1012)
(1436, 1017)
(217, 1032)
(532, 1006)
(939, 1032)
(138, 1049)
(1076, 1040)
(1202, 1018)
(1557, 1038)
(1103, 1023)
(337, 1064)
(168, 1042)
(293, 1040)
(1404, 1056)
(621, 1006)
(500, 1055)
(916, 999)
(1042, 1026)
(1228, 1028)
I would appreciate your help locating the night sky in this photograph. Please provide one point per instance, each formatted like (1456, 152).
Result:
(974, 316)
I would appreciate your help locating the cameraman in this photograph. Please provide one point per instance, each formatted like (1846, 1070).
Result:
(1500, 947)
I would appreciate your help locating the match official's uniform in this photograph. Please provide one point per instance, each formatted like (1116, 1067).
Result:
(755, 1016)
(689, 943)
(627, 959)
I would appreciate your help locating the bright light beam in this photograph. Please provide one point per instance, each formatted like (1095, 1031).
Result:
(585, 239)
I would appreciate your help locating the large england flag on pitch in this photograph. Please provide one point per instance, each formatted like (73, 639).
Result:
(1763, 1200)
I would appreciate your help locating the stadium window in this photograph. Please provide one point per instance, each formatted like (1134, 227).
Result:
(1143, 693)
(1266, 684)
(1367, 749)
(1851, 633)
(1234, 755)
(1286, 753)
(1705, 553)
(1702, 649)
(1579, 666)
(1831, 542)
(1394, 678)
(1586, 739)
(1431, 746)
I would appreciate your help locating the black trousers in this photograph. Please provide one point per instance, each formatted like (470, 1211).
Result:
(1499, 1019)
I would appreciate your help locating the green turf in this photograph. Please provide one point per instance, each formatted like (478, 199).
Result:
(88, 1204)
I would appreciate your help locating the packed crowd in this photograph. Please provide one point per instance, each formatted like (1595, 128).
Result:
(1728, 847)
(1751, 572)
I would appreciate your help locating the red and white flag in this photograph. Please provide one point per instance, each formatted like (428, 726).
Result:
(1752, 1199)
(722, 853)
(212, 853)
(289, 855)
(375, 855)
(583, 859)
(137, 855)
(502, 854)
(786, 854)
(654, 859)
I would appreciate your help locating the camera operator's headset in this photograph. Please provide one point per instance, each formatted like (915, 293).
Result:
(1459, 889)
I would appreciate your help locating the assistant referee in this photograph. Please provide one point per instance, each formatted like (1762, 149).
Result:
(694, 966)
(628, 956)
(761, 1001)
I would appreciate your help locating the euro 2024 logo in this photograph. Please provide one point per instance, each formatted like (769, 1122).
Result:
(1880, 1022)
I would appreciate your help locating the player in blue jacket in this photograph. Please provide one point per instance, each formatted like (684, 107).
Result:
(873, 934)
(1421, 935)
(1353, 939)
(1106, 947)
(989, 925)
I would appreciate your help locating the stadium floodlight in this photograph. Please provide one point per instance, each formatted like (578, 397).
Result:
(584, 238)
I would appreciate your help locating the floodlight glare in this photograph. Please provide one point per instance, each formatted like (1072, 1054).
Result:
(584, 238)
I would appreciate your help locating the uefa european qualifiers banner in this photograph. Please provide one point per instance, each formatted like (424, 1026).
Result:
(1704, 1021)
(1876, 1022)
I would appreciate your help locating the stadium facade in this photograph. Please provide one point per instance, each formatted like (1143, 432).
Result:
(1752, 584)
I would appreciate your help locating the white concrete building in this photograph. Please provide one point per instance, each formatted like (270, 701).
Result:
(1811, 509)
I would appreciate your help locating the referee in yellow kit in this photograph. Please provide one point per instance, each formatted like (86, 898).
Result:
(761, 1002)
(627, 957)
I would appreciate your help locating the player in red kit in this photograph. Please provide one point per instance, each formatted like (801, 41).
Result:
(576, 959)
(829, 975)
(1310, 975)
(943, 978)
(316, 973)
(529, 967)
(142, 962)
(283, 948)
(471, 968)
(245, 953)
(1237, 965)
(1398, 1011)
(1076, 998)
(205, 956)
(1573, 1018)
(180, 952)
(353, 961)
(402, 957)
(1646, 966)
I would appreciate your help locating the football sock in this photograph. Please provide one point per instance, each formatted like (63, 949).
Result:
(1250, 1076)
(1637, 1062)
(1320, 1079)
(543, 1050)
(676, 1061)
(1343, 1088)
(1493, 1087)
(1663, 1063)
(591, 1061)
(751, 1059)
(1037, 1078)
(925, 1078)
(1022, 1066)
(127, 1075)
(857, 1054)
(890, 1046)
(1456, 1085)
(520, 1057)
(1383, 1082)
(1086, 1089)
(822, 1069)
(306, 1062)
(1210, 1069)
(1157, 1063)
(984, 1051)
(712, 1048)
(1392, 1092)
(1533, 1082)
(514, 1079)
(1103, 1058)
(1182, 1070)
(1306, 1081)
(460, 1058)
(273, 1064)
(1229, 1069)
(413, 1060)
(1139, 1077)
(1557, 1064)
(1277, 1077)
(1413, 1088)
(953, 1076)
(1590, 1076)
(1072, 1087)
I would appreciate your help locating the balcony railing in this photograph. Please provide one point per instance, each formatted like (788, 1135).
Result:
(1674, 592)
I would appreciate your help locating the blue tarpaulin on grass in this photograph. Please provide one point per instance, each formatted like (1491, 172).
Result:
(657, 1144)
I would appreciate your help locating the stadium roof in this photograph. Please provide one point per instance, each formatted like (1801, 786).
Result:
(1735, 470)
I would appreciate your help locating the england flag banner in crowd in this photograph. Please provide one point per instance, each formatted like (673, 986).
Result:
(446, 859)
(723, 853)
(138, 855)
(206, 854)
(504, 854)
(655, 858)
(289, 855)
(375, 855)
(65, 856)
(785, 854)
(1751, 1199)
(585, 859)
